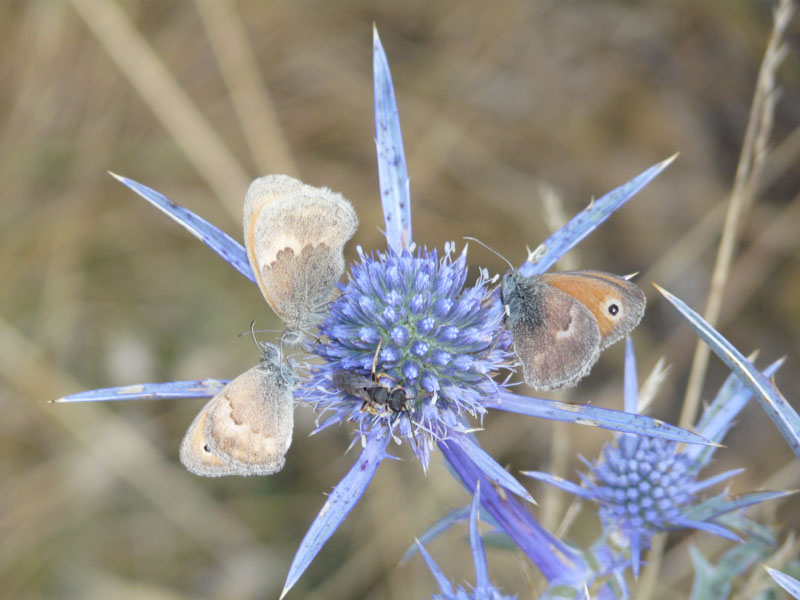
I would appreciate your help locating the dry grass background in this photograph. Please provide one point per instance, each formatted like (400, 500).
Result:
(498, 102)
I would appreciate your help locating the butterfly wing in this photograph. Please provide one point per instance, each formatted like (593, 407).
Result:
(294, 235)
(556, 338)
(197, 456)
(616, 303)
(246, 429)
(252, 422)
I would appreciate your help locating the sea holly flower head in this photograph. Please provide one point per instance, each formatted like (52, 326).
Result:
(410, 319)
(645, 485)
(641, 486)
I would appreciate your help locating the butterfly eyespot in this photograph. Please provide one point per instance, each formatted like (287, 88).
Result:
(613, 309)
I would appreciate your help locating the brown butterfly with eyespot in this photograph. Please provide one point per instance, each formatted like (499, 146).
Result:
(246, 429)
(560, 322)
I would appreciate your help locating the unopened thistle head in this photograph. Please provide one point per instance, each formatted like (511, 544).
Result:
(641, 485)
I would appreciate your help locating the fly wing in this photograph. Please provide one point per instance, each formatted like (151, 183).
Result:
(351, 383)
(556, 338)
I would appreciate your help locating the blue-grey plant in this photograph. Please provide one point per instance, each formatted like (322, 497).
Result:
(718, 580)
(439, 340)
(643, 486)
(787, 582)
(442, 348)
(483, 590)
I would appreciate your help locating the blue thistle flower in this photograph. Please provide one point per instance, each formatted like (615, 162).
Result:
(645, 485)
(641, 486)
(410, 317)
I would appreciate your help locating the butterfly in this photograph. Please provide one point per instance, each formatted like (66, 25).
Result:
(246, 429)
(295, 235)
(560, 322)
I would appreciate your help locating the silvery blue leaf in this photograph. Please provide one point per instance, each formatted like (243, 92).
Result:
(392, 172)
(788, 583)
(206, 388)
(338, 505)
(216, 239)
(594, 416)
(775, 405)
(585, 222)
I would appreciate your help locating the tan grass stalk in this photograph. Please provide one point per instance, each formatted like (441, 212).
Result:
(555, 217)
(570, 516)
(748, 172)
(687, 250)
(651, 385)
(170, 104)
(777, 239)
(649, 580)
(258, 119)
(699, 238)
(751, 163)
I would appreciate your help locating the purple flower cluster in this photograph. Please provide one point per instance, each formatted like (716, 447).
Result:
(439, 341)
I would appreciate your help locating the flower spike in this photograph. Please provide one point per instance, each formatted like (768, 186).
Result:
(220, 242)
(585, 222)
(338, 505)
(207, 388)
(787, 582)
(392, 172)
(774, 404)
(483, 590)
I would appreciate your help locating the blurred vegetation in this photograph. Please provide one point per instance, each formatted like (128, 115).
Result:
(499, 102)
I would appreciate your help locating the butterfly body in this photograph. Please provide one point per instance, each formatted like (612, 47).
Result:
(560, 322)
(246, 429)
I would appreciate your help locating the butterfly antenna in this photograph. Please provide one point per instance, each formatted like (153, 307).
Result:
(251, 329)
(260, 346)
(630, 276)
(253, 333)
(490, 249)
(280, 357)
(248, 330)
